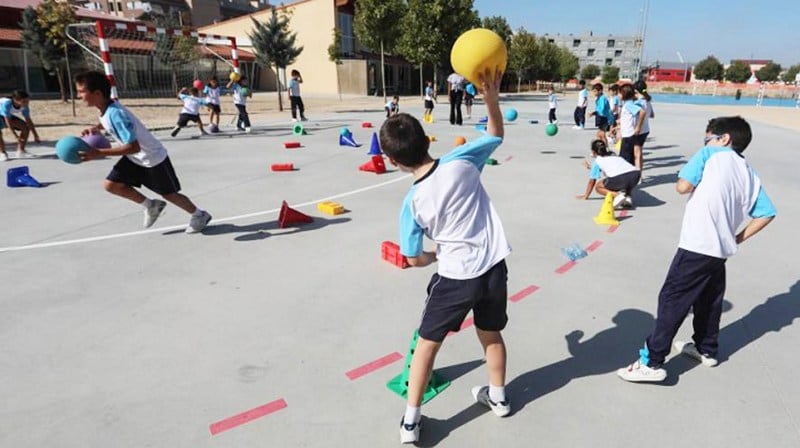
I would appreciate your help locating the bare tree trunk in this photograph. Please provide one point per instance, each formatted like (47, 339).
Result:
(519, 83)
(383, 74)
(421, 82)
(278, 83)
(61, 87)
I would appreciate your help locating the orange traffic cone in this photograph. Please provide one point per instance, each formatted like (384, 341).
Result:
(375, 165)
(289, 216)
(606, 215)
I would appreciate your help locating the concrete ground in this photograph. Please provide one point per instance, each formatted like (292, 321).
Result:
(114, 336)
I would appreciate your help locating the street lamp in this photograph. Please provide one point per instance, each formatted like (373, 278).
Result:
(685, 67)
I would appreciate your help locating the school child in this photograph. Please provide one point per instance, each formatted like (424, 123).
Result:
(240, 94)
(21, 128)
(294, 96)
(630, 123)
(552, 104)
(620, 176)
(616, 106)
(144, 158)
(644, 101)
(430, 97)
(190, 110)
(723, 190)
(449, 205)
(455, 92)
(392, 107)
(580, 109)
(469, 97)
(212, 93)
(603, 117)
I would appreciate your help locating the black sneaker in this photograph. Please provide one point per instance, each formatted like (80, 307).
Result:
(175, 131)
(481, 395)
(409, 433)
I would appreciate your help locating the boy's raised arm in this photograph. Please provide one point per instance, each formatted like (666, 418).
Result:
(490, 88)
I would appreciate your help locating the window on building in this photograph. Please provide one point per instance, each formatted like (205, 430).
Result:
(119, 6)
(576, 42)
(590, 52)
(610, 43)
(608, 61)
(617, 53)
(347, 43)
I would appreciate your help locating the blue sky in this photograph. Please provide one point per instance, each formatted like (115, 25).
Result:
(733, 29)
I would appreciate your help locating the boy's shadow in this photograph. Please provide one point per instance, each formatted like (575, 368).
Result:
(652, 181)
(605, 352)
(775, 313)
(262, 230)
(642, 198)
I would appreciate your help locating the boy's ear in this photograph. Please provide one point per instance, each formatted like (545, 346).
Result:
(392, 161)
(725, 139)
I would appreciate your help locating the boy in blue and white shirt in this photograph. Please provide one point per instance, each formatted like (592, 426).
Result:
(212, 93)
(10, 110)
(580, 108)
(392, 108)
(145, 160)
(240, 94)
(295, 99)
(724, 191)
(552, 104)
(190, 110)
(448, 204)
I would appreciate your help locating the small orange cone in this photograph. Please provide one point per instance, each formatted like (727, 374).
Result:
(374, 165)
(289, 216)
(606, 215)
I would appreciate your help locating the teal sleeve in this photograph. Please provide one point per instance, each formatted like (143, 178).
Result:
(476, 151)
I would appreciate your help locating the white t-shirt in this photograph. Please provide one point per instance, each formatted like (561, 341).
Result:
(583, 98)
(628, 118)
(126, 128)
(238, 98)
(294, 87)
(392, 106)
(648, 109)
(429, 93)
(552, 101)
(456, 82)
(726, 191)
(212, 95)
(191, 104)
(611, 165)
(450, 206)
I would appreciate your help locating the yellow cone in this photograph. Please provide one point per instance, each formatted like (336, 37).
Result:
(606, 215)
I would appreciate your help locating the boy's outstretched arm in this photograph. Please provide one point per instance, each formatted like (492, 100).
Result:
(753, 227)
(490, 88)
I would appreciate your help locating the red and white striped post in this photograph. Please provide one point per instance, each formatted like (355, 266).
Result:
(105, 54)
(234, 55)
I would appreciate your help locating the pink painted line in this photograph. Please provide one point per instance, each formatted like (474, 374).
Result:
(246, 416)
(370, 367)
(467, 323)
(622, 214)
(612, 229)
(565, 267)
(593, 247)
(524, 293)
(509, 158)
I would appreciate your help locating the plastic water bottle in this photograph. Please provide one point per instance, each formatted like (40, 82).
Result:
(573, 252)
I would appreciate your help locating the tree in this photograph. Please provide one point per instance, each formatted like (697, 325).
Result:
(335, 56)
(591, 71)
(44, 34)
(377, 25)
(791, 74)
(546, 65)
(568, 64)
(522, 54)
(709, 69)
(274, 45)
(610, 74)
(417, 43)
(769, 72)
(739, 71)
(499, 25)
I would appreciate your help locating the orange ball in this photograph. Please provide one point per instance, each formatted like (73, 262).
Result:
(460, 141)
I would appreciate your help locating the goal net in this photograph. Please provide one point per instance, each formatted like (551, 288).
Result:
(146, 61)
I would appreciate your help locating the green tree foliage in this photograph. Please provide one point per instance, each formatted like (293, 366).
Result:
(377, 26)
(709, 68)
(568, 65)
(417, 43)
(499, 25)
(522, 54)
(610, 74)
(44, 34)
(790, 74)
(591, 71)
(275, 45)
(739, 71)
(769, 72)
(546, 67)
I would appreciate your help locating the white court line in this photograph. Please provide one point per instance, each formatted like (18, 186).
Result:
(214, 221)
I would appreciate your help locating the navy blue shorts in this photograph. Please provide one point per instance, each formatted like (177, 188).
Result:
(450, 300)
(640, 139)
(160, 178)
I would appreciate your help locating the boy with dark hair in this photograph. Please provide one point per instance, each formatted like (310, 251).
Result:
(240, 94)
(723, 190)
(580, 108)
(21, 128)
(145, 160)
(392, 108)
(212, 92)
(190, 110)
(295, 99)
(603, 117)
(448, 204)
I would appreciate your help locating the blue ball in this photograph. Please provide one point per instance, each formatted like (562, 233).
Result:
(511, 114)
(344, 131)
(68, 149)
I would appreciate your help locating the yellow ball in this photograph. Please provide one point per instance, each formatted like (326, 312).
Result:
(476, 51)
(235, 76)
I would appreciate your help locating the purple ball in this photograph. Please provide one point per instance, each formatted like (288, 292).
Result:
(96, 141)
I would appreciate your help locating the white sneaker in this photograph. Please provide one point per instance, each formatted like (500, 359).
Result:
(577, 128)
(246, 130)
(199, 222)
(3, 157)
(153, 212)
(690, 350)
(294, 120)
(628, 202)
(638, 373)
(619, 198)
(25, 155)
(481, 395)
(409, 433)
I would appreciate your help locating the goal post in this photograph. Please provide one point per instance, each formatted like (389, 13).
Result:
(146, 61)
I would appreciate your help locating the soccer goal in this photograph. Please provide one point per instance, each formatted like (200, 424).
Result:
(145, 61)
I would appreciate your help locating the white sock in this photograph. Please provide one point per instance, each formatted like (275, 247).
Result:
(146, 203)
(413, 415)
(197, 212)
(497, 393)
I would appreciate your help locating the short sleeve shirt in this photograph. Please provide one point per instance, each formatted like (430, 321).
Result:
(456, 82)
(8, 110)
(126, 128)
